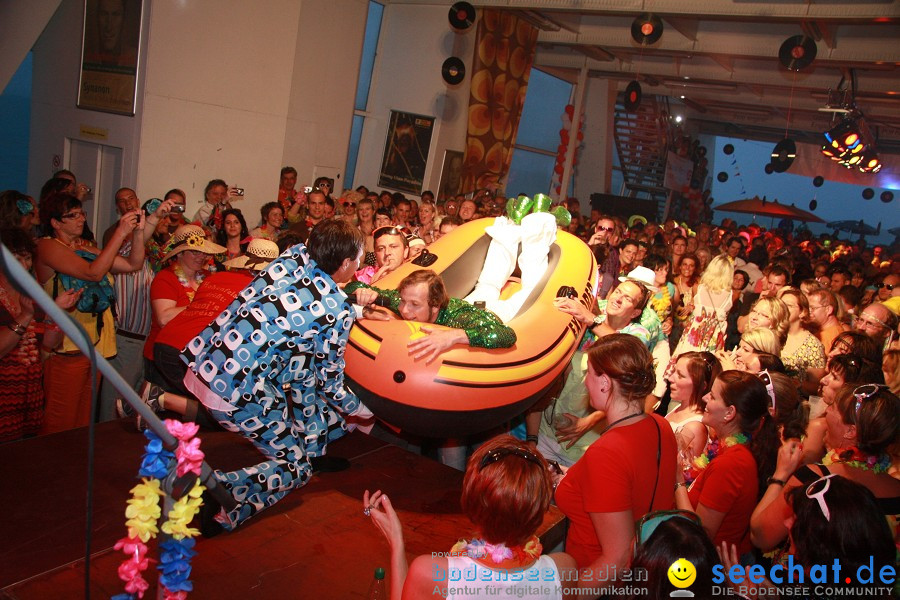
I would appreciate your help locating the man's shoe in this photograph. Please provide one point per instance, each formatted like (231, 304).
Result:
(328, 464)
(209, 527)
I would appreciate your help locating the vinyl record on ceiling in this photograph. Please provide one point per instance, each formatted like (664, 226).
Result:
(722, 176)
(797, 52)
(868, 194)
(769, 169)
(462, 15)
(633, 95)
(728, 149)
(646, 29)
(783, 155)
(887, 196)
(453, 70)
(818, 180)
(813, 204)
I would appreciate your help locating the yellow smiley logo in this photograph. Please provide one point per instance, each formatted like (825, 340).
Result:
(682, 573)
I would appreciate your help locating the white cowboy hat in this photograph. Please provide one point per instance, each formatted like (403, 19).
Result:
(642, 275)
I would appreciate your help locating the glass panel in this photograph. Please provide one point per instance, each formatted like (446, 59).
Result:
(353, 150)
(545, 103)
(529, 173)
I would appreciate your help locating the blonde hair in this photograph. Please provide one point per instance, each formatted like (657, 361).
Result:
(762, 339)
(779, 315)
(718, 274)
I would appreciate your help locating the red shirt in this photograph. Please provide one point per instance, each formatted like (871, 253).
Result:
(615, 474)
(215, 293)
(729, 485)
(165, 286)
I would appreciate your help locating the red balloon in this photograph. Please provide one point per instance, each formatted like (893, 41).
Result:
(558, 168)
(570, 109)
(580, 136)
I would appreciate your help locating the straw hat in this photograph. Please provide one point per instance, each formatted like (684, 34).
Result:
(191, 237)
(260, 252)
(644, 276)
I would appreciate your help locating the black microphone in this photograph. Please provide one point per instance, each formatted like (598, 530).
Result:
(379, 301)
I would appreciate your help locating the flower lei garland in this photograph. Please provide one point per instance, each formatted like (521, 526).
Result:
(478, 548)
(856, 458)
(199, 276)
(144, 510)
(713, 449)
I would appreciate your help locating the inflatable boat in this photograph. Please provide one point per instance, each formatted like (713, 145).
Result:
(468, 390)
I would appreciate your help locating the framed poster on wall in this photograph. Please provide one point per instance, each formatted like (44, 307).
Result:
(406, 152)
(451, 174)
(111, 39)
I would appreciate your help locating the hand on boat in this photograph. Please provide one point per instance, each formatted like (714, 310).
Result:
(435, 342)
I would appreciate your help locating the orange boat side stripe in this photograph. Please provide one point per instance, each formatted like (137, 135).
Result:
(477, 373)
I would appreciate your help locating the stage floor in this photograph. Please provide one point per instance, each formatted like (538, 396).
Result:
(316, 541)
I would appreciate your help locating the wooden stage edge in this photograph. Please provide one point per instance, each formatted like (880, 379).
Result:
(315, 543)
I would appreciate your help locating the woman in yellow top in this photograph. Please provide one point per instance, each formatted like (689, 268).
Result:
(66, 261)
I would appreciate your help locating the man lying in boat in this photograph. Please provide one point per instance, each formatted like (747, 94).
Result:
(421, 296)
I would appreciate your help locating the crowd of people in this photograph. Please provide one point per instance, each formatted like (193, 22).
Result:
(742, 381)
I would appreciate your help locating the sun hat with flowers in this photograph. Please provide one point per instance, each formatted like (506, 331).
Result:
(191, 237)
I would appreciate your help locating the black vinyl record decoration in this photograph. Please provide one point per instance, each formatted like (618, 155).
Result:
(646, 29)
(769, 169)
(813, 204)
(461, 16)
(783, 155)
(868, 194)
(453, 70)
(887, 196)
(797, 52)
(633, 95)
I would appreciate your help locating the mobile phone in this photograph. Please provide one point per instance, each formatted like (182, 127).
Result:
(239, 191)
(307, 189)
(179, 208)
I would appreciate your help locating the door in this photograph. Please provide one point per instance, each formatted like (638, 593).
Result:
(100, 168)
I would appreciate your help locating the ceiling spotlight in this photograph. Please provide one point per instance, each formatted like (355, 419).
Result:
(851, 144)
(678, 118)
(869, 163)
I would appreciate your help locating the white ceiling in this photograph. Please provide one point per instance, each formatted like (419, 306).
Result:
(722, 55)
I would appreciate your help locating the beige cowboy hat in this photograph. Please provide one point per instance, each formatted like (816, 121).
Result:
(644, 276)
(191, 237)
(260, 252)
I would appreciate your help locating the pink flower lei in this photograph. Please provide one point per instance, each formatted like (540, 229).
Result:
(144, 510)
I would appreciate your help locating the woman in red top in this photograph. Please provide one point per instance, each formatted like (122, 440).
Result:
(629, 470)
(174, 287)
(737, 464)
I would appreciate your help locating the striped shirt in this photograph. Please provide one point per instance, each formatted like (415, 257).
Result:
(133, 296)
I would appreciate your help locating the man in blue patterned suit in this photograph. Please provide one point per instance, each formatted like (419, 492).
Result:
(271, 366)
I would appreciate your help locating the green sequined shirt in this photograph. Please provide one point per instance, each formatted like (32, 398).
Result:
(483, 328)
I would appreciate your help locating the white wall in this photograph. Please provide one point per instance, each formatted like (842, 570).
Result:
(236, 90)
(595, 160)
(414, 42)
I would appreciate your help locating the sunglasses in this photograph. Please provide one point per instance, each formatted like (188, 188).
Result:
(890, 286)
(608, 229)
(649, 522)
(499, 453)
(820, 495)
(349, 204)
(75, 214)
(386, 230)
(865, 392)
